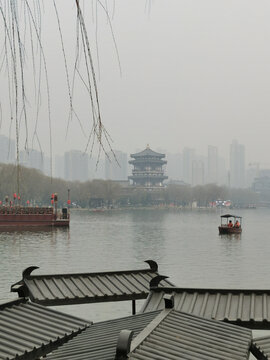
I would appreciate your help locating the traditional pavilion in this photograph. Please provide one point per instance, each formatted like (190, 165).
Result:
(148, 172)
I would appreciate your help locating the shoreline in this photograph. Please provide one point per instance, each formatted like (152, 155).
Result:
(157, 208)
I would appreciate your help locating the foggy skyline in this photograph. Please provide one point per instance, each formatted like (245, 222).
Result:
(187, 167)
(193, 74)
(114, 153)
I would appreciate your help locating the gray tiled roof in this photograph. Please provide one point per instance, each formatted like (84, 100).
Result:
(28, 330)
(147, 152)
(249, 308)
(142, 160)
(183, 336)
(160, 335)
(98, 342)
(65, 289)
(261, 347)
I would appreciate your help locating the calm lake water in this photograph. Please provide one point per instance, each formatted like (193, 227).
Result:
(185, 244)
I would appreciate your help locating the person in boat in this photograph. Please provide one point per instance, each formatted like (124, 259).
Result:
(230, 224)
(237, 224)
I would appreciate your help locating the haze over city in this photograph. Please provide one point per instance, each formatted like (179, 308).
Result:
(193, 74)
(134, 179)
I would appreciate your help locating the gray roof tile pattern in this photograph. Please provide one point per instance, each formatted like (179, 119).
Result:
(261, 347)
(142, 160)
(183, 336)
(147, 152)
(98, 342)
(249, 308)
(29, 330)
(65, 289)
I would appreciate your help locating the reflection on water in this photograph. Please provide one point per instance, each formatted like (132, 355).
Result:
(148, 237)
(186, 245)
(230, 236)
(17, 236)
(26, 247)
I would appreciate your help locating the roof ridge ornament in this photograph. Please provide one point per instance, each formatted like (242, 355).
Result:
(156, 280)
(153, 265)
(123, 344)
(147, 146)
(26, 272)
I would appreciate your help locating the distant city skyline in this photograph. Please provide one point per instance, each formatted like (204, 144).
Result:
(237, 175)
(248, 159)
(116, 170)
(188, 166)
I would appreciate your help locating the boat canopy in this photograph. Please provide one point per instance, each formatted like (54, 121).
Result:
(229, 215)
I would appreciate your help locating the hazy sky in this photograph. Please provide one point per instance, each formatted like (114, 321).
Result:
(194, 72)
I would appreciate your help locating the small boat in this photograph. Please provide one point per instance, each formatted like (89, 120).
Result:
(230, 224)
(27, 216)
(20, 216)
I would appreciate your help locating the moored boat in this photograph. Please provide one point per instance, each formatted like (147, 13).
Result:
(230, 224)
(32, 216)
(29, 216)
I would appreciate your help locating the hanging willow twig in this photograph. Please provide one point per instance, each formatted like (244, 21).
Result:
(89, 61)
(10, 32)
(46, 79)
(98, 127)
(22, 51)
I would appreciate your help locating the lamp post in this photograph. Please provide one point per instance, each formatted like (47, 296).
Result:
(55, 204)
(69, 201)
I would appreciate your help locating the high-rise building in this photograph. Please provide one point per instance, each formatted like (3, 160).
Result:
(36, 160)
(47, 166)
(237, 165)
(116, 166)
(59, 166)
(251, 174)
(212, 165)
(197, 172)
(32, 159)
(174, 167)
(188, 157)
(75, 166)
(222, 172)
(7, 150)
(96, 168)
